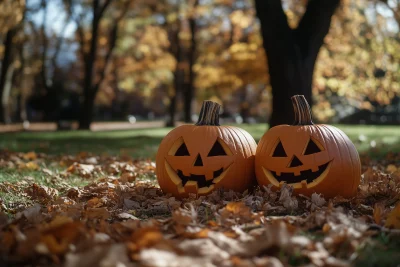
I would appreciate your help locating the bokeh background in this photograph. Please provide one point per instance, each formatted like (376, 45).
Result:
(71, 62)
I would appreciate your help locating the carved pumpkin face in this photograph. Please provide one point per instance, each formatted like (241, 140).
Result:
(311, 158)
(198, 159)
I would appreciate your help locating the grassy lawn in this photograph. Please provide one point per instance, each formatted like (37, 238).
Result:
(143, 143)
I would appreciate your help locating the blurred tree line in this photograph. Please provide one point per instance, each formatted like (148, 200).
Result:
(106, 59)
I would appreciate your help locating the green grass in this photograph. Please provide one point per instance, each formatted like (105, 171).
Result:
(11, 197)
(143, 143)
(384, 252)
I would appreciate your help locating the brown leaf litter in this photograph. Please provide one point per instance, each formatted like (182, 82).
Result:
(122, 218)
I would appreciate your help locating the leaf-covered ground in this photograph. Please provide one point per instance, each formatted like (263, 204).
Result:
(96, 209)
(89, 210)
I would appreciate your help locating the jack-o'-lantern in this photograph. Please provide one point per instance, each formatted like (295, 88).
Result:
(311, 158)
(197, 159)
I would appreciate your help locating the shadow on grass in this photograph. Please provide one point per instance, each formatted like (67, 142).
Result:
(140, 143)
(138, 146)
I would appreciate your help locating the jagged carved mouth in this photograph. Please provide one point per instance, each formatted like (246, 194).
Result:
(194, 180)
(306, 178)
(200, 179)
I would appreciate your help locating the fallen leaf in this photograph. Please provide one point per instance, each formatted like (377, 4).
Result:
(146, 238)
(98, 213)
(377, 213)
(85, 170)
(41, 192)
(162, 258)
(30, 156)
(126, 216)
(31, 165)
(393, 219)
(108, 256)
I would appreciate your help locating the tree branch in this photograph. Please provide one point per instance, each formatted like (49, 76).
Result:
(113, 40)
(314, 25)
(45, 46)
(81, 38)
(103, 8)
(59, 42)
(274, 24)
(395, 11)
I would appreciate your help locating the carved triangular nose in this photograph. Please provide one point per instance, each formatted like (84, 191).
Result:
(198, 161)
(295, 162)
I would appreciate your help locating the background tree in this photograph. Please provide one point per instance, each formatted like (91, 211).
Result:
(292, 53)
(12, 14)
(93, 73)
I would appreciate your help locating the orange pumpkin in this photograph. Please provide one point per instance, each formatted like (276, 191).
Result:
(311, 158)
(200, 158)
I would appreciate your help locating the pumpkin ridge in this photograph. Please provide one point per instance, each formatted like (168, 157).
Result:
(235, 134)
(249, 138)
(245, 144)
(335, 141)
(353, 160)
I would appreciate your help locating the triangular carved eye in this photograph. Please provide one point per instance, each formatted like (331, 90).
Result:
(279, 150)
(312, 148)
(182, 151)
(217, 150)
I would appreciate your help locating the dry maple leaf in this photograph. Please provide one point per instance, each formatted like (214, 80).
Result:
(84, 170)
(146, 237)
(31, 165)
(393, 219)
(162, 258)
(286, 198)
(317, 201)
(377, 213)
(41, 192)
(110, 256)
(97, 213)
(33, 213)
(30, 156)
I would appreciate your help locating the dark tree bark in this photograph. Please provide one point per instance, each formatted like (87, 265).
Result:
(244, 106)
(292, 53)
(173, 98)
(45, 44)
(189, 93)
(177, 89)
(5, 67)
(90, 88)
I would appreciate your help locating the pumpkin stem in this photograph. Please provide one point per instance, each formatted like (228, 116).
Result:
(302, 111)
(209, 113)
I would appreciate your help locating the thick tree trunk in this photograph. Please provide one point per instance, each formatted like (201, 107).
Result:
(177, 87)
(5, 65)
(45, 43)
(175, 50)
(86, 112)
(244, 106)
(292, 53)
(171, 112)
(5, 102)
(189, 88)
(90, 88)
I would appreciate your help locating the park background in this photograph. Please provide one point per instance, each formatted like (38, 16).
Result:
(89, 88)
(73, 61)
